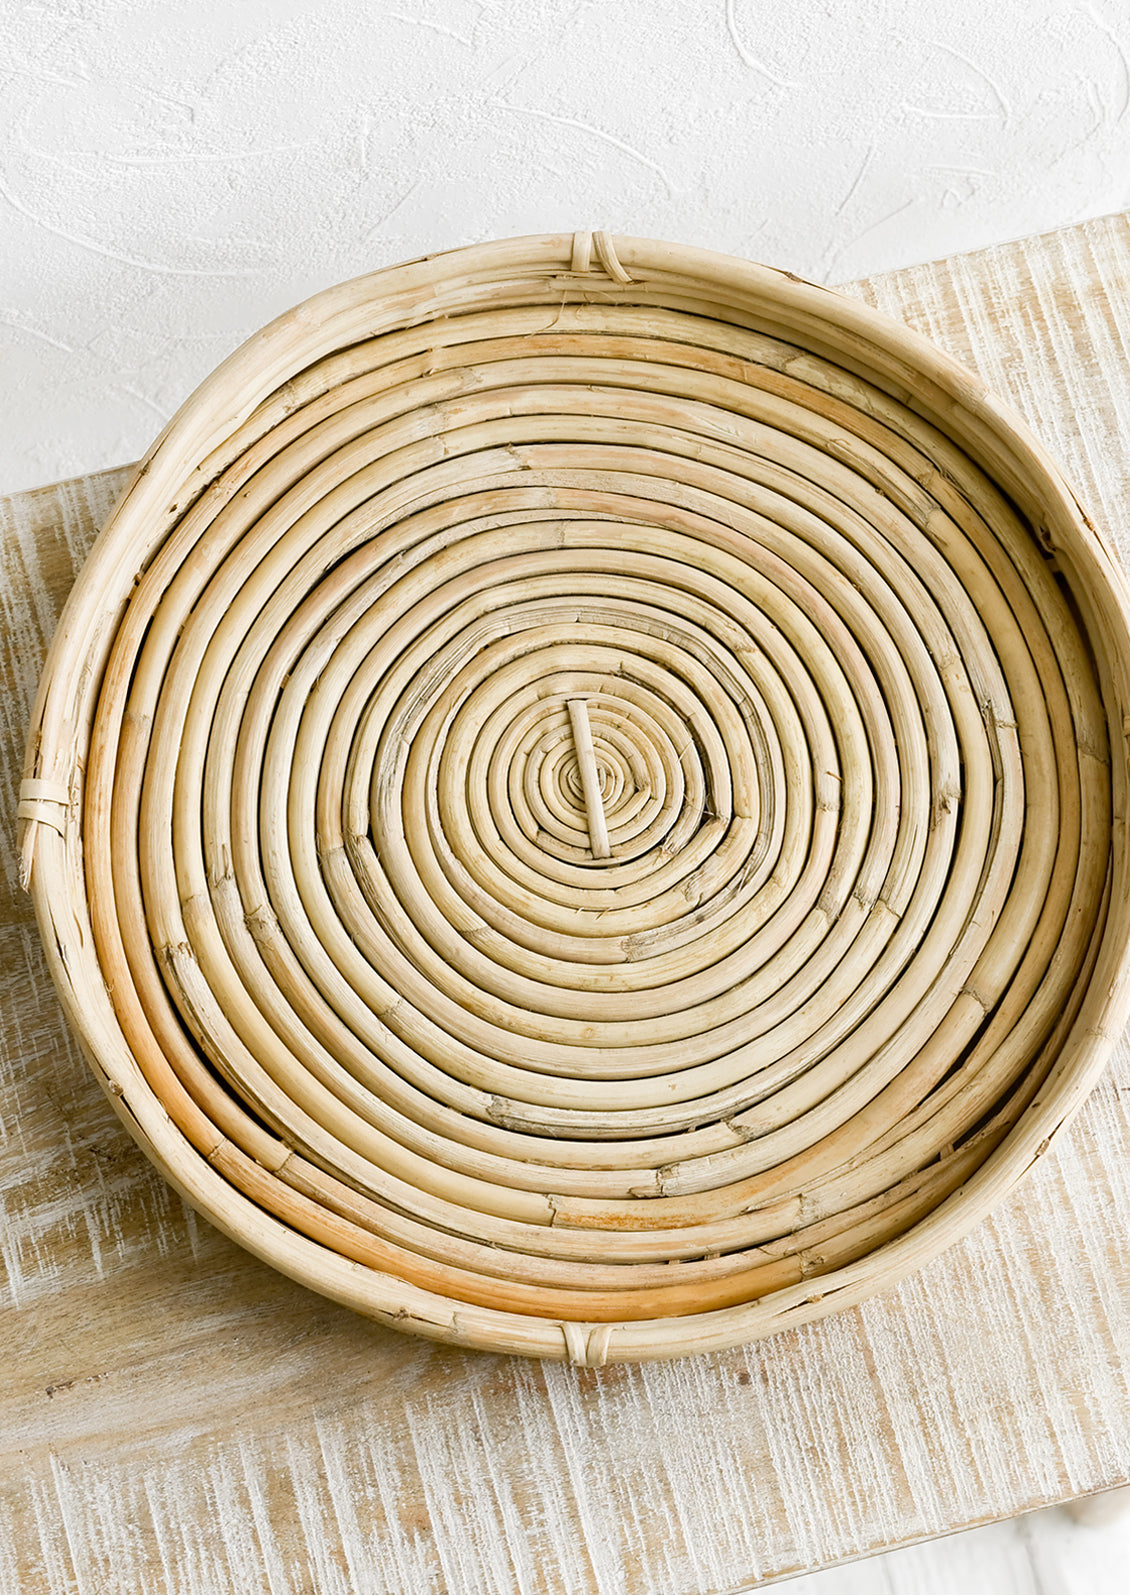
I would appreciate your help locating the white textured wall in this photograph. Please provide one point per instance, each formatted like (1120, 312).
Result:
(174, 174)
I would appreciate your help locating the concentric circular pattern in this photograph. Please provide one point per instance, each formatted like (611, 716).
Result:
(596, 820)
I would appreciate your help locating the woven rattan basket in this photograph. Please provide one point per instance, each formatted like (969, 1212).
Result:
(572, 806)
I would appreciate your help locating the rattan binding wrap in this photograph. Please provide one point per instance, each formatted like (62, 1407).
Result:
(572, 807)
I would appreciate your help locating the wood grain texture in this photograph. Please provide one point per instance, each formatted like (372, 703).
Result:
(175, 1416)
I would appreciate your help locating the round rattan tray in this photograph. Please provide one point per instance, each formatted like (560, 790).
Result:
(572, 806)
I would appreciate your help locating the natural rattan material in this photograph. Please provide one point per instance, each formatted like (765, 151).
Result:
(572, 806)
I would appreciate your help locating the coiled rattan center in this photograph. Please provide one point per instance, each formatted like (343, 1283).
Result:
(598, 808)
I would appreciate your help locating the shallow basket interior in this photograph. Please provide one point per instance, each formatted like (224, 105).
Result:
(576, 806)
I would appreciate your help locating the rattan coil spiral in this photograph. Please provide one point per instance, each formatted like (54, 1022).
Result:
(572, 807)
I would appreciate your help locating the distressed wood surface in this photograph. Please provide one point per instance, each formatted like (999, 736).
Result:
(175, 1416)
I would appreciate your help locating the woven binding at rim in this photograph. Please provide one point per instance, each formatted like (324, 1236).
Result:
(572, 805)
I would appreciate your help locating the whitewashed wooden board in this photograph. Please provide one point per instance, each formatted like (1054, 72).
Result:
(176, 1417)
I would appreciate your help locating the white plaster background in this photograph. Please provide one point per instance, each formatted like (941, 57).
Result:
(172, 175)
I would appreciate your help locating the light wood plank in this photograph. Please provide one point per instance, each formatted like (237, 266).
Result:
(1042, 1553)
